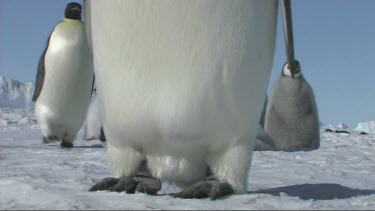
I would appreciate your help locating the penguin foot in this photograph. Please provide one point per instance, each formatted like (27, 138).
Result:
(50, 139)
(210, 187)
(142, 182)
(65, 144)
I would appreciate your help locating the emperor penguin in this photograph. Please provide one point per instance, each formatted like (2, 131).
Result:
(64, 79)
(182, 85)
(291, 118)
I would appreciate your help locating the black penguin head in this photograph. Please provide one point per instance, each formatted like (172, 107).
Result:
(73, 11)
(287, 71)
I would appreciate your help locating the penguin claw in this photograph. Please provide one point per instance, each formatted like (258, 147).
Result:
(50, 139)
(104, 184)
(146, 185)
(212, 188)
(137, 183)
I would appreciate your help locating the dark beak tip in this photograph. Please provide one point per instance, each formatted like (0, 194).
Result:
(76, 9)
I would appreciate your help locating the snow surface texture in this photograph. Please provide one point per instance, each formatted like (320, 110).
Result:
(339, 175)
(16, 94)
(17, 119)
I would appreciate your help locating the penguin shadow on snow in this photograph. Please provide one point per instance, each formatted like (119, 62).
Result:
(90, 146)
(320, 191)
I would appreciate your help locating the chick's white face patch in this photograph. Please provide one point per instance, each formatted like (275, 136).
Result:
(287, 72)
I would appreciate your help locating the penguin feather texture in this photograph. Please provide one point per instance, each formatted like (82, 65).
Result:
(182, 84)
(292, 119)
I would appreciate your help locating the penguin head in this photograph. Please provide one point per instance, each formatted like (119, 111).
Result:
(73, 11)
(287, 72)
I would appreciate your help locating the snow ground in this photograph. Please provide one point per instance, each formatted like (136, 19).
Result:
(33, 175)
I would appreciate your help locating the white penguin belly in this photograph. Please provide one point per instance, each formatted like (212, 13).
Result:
(68, 77)
(183, 70)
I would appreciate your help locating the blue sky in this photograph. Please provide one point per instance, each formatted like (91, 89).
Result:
(334, 42)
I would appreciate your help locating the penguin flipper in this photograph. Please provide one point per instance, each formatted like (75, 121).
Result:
(40, 74)
(263, 115)
(93, 85)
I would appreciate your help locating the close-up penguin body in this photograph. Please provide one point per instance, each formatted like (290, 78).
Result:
(182, 87)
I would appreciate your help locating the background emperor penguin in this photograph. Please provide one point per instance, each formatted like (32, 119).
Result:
(93, 122)
(182, 85)
(64, 79)
(292, 119)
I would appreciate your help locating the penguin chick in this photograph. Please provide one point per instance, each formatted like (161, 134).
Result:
(291, 116)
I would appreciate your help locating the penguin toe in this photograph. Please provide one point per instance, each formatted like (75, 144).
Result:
(140, 181)
(199, 190)
(105, 184)
(125, 184)
(220, 189)
(146, 185)
(129, 185)
(203, 189)
(45, 140)
(50, 139)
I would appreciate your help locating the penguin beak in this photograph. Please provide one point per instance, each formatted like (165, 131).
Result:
(76, 9)
(292, 68)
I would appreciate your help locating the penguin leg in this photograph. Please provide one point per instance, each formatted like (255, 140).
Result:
(134, 175)
(228, 174)
(231, 164)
